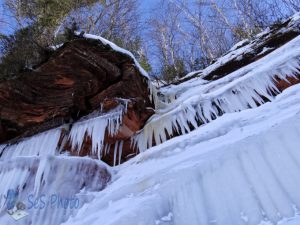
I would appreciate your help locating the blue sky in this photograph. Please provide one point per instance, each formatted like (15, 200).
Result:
(3, 28)
(147, 4)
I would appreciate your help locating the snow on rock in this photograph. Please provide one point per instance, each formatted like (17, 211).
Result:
(152, 88)
(52, 188)
(116, 48)
(247, 51)
(242, 168)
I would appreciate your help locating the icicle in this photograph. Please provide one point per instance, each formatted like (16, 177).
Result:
(115, 152)
(43, 164)
(153, 96)
(107, 149)
(39, 145)
(120, 151)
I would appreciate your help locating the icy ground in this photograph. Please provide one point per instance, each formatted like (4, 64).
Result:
(242, 168)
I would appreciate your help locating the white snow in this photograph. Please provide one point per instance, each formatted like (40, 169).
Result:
(264, 50)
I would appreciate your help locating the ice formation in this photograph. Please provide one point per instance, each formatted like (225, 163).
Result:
(245, 88)
(95, 128)
(44, 183)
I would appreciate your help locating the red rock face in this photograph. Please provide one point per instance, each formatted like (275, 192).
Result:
(74, 82)
(282, 84)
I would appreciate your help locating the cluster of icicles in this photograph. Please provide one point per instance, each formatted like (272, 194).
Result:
(51, 142)
(245, 88)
